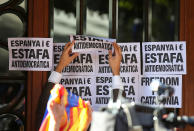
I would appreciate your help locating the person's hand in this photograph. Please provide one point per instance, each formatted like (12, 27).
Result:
(56, 110)
(66, 57)
(115, 60)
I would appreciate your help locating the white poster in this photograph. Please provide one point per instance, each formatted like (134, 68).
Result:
(103, 88)
(81, 86)
(30, 54)
(99, 75)
(90, 76)
(130, 63)
(130, 85)
(84, 64)
(148, 96)
(90, 44)
(164, 57)
(90, 38)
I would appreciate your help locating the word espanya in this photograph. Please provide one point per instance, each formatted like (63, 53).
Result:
(163, 47)
(30, 43)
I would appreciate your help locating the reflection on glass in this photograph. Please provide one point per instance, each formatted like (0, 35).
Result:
(11, 26)
(3, 1)
(12, 94)
(97, 22)
(5, 60)
(12, 97)
(11, 122)
(4, 67)
(165, 20)
(64, 20)
(23, 5)
(9, 91)
(130, 20)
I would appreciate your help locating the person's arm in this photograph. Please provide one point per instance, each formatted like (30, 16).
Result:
(114, 62)
(54, 78)
(66, 58)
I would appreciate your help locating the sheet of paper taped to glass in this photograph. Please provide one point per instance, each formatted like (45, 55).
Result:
(76, 113)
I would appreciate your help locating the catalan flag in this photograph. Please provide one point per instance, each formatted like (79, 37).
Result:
(76, 114)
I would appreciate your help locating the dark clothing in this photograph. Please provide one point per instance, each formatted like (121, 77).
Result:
(42, 103)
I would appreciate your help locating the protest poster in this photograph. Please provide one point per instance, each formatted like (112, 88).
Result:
(103, 87)
(101, 74)
(164, 57)
(84, 64)
(103, 64)
(30, 54)
(81, 86)
(149, 97)
(130, 86)
(130, 63)
(90, 44)
(90, 38)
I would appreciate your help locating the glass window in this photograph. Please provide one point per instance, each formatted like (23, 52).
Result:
(64, 19)
(4, 68)
(11, 25)
(12, 83)
(130, 20)
(165, 20)
(97, 19)
(3, 1)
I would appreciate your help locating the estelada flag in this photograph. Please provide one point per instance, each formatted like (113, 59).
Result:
(76, 114)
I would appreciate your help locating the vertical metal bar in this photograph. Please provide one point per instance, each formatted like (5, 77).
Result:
(177, 22)
(150, 20)
(80, 17)
(113, 19)
(113, 31)
(145, 21)
(147, 16)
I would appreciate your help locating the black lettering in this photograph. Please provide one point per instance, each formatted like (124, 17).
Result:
(102, 90)
(87, 91)
(45, 54)
(98, 89)
(103, 59)
(105, 89)
(56, 58)
(129, 90)
(147, 58)
(88, 58)
(179, 57)
(14, 53)
(47, 43)
(12, 43)
(32, 54)
(21, 54)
